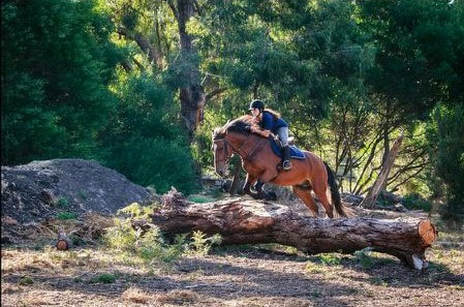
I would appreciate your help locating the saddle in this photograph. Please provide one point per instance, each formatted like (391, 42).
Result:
(295, 152)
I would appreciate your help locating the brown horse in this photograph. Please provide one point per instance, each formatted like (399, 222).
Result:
(261, 165)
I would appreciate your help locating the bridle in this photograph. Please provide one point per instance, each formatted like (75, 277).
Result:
(241, 151)
(225, 148)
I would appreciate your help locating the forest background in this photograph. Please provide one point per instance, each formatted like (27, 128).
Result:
(140, 85)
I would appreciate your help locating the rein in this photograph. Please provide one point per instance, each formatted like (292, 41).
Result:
(241, 151)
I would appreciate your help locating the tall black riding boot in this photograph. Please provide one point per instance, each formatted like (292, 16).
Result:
(286, 164)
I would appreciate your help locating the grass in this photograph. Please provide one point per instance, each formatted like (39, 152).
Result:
(66, 216)
(145, 269)
(25, 281)
(330, 259)
(364, 259)
(136, 295)
(105, 278)
(86, 268)
(150, 245)
(62, 202)
(198, 198)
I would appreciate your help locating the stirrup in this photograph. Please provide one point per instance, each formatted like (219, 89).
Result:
(287, 165)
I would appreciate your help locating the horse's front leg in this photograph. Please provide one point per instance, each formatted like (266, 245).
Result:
(250, 180)
(261, 194)
(265, 177)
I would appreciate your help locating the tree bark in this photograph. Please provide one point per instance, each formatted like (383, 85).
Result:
(236, 175)
(242, 221)
(192, 96)
(374, 191)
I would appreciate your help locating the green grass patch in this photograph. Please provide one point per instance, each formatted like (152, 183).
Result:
(62, 202)
(330, 259)
(105, 278)
(364, 259)
(314, 268)
(66, 215)
(200, 199)
(25, 281)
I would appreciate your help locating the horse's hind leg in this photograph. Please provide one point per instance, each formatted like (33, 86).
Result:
(304, 193)
(320, 191)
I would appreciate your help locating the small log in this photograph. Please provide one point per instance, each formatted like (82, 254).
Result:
(63, 243)
(245, 221)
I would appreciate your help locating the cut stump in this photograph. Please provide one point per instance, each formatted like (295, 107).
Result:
(245, 221)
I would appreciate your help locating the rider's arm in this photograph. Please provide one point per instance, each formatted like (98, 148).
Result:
(263, 133)
(265, 129)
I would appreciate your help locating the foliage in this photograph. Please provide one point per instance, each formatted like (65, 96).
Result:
(447, 151)
(348, 76)
(144, 141)
(135, 210)
(201, 244)
(364, 259)
(415, 201)
(121, 236)
(150, 245)
(329, 259)
(57, 61)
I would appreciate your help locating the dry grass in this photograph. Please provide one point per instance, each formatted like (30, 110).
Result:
(178, 297)
(266, 275)
(136, 295)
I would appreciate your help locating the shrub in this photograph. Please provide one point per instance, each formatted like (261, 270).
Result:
(145, 141)
(329, 259)
(121, 236)
(201, 244)
(415, 201)
(150, 245)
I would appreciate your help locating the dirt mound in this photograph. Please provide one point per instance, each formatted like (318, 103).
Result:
(44, 189)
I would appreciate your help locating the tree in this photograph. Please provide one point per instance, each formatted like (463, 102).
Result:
(143, 140)
(447, 150)
(57, 61)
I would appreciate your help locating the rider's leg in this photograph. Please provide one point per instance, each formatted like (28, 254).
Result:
(283, 136)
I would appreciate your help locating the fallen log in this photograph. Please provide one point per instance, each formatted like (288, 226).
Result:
(246, 221)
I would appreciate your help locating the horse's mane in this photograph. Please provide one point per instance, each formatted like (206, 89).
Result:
(240, 125)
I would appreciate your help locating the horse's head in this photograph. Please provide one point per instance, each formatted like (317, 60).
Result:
(222, 151)
(225, 139)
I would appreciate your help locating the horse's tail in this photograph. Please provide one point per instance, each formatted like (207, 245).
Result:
(336, 199)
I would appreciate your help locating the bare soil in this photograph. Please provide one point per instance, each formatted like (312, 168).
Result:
(263, 275)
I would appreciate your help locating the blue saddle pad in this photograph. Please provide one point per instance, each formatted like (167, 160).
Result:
(295, 152)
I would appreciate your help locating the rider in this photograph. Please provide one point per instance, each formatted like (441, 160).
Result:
(270, 122)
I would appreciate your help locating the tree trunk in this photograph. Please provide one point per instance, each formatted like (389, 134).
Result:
(242, 221)
(236, 175)
(374, 191)
(192, 96)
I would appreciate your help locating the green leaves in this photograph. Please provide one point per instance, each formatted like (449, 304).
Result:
(58, 61)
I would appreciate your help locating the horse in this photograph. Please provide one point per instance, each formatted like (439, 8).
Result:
(262, 166)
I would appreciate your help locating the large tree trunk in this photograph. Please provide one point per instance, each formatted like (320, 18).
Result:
(192, 96)
(242, 221)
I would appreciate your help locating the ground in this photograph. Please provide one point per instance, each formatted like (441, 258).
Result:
(260, 275)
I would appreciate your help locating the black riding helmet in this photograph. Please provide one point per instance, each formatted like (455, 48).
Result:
(257, 104)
